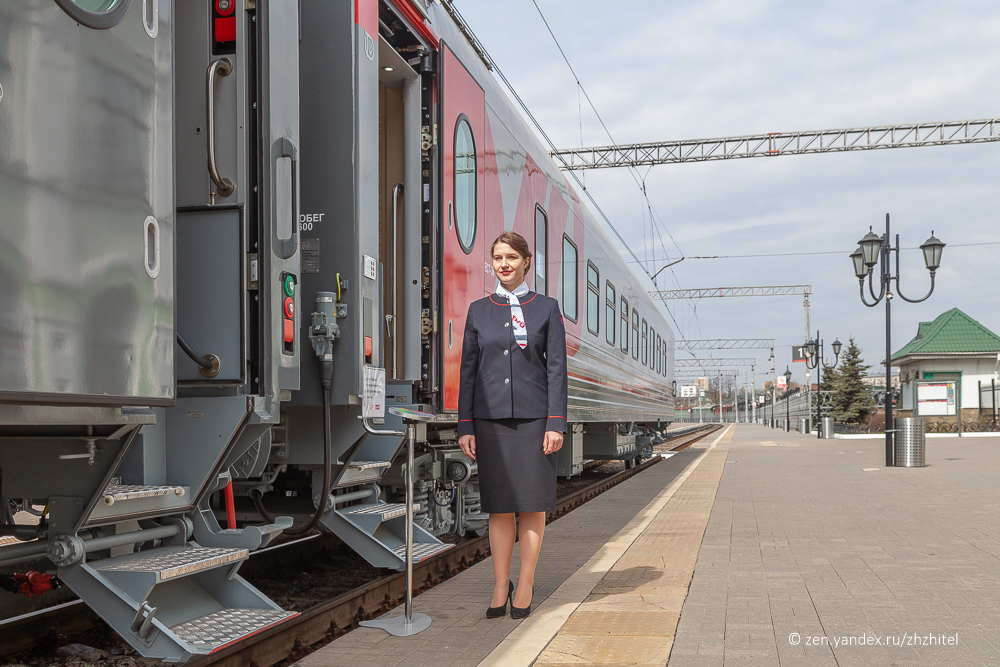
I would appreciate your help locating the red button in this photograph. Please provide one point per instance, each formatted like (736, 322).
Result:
(289, 307)
(225, 29)
(289, 331)
(225, 7)
(368, 346)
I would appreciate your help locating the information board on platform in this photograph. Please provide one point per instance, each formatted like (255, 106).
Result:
(936, 399)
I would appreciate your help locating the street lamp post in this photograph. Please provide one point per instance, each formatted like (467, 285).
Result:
(720, 397)
(815, 359)
(788, 384)
(873, 250)
(773, 383)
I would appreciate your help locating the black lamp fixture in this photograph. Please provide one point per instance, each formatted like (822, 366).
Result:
(788, 377)
(932, 248)
(860, 270)
(836, 348)
(873, 249)
(869, 246)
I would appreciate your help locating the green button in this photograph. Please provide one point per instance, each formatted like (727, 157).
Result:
(290, 285)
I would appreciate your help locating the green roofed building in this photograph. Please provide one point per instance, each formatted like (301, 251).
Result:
(949, 373)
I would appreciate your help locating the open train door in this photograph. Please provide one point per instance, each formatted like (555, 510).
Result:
(462, 133)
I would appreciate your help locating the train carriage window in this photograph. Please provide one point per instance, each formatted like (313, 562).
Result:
(659, 355)
(652, 348)
(645, 343)
(623, 333)
(666, 360)
(465, 184)
(96, 14)
(635, 334)
(609, 311)
(541, 249)
(593, 299)
(569, 291)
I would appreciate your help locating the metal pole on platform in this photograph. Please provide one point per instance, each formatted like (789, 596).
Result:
(873, 250)
(411, 438)
(409, 623)
(773, 385)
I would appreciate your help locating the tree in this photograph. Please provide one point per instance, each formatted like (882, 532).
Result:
(852, 403)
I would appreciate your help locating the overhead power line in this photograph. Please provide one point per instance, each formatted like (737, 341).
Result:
(713, 363)
(820, 252)
(771, 144)
(725, 344)
(769, 290)
(492, 66)
(639, 180)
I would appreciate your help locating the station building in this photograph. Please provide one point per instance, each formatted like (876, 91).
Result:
(948, 374)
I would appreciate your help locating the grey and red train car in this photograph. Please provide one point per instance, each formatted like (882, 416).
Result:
(224, 220)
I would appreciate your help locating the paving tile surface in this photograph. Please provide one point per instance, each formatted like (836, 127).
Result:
(631, 615)
(460, 634)
(802, 540)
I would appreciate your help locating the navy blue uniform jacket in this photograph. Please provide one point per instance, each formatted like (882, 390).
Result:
(499, 380)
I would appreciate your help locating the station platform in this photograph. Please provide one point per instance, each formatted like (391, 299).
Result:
(753, 547)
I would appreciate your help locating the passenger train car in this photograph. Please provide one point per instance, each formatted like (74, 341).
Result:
(230, 229)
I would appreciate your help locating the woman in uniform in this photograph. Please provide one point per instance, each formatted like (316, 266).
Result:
(512, 415)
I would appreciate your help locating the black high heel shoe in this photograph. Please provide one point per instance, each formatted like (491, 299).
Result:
(520, 612)
(501, 611)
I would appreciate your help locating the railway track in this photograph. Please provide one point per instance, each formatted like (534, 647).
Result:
(324, 622)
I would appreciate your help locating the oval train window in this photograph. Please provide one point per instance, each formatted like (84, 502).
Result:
(96, 14)
(465, 184)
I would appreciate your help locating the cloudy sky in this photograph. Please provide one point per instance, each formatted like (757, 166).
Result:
(684, 69)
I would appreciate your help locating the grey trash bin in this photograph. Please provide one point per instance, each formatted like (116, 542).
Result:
(826, 428)
(910, 442)
(803, 425)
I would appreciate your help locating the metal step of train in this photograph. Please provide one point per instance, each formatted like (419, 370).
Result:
(362, 472)
(377, 532)
(176, 601)
(121, 502)
(159, 565)
(422, 550)
(224, 627)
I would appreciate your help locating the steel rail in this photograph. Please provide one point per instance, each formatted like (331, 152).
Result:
(324, 622)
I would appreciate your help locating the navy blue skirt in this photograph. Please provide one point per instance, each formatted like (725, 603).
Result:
(514, 474)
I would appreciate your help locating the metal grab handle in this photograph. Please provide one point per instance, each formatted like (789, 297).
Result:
(284, 147)
(397, 190)
(375, 431)
(222, 67)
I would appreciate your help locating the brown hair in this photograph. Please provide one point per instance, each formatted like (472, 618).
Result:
(517, 242)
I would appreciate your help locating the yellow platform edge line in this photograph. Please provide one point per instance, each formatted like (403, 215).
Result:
(527, 641)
